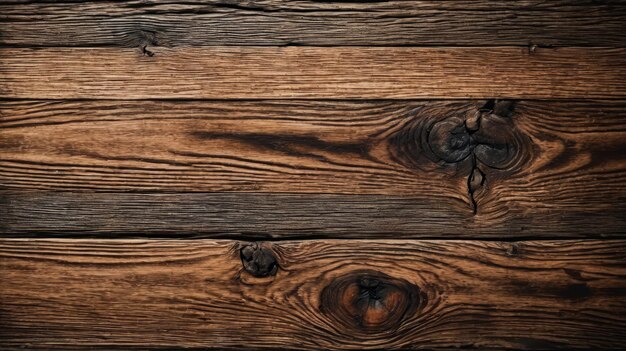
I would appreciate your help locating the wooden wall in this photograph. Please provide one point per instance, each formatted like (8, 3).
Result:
(263, 174)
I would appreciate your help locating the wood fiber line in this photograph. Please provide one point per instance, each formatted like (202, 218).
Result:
(547, 168)
(312, 72)
(74, 294)
(327, 23)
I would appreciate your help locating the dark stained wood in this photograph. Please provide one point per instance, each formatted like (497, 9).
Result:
(279, 22)
(186, 175)
(520, 169)
(313, 72)
(79, 294)
(301, 216)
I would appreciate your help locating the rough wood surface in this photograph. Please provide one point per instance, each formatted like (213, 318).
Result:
(279, 22)
(126, 124)
(303, 216)
(312, 72)
(74, 294)
(525, 168)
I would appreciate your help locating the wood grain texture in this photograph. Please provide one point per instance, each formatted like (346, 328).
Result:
(295, 216)
(278, 22)
(74, 294)
(312, 72)
(563, 170)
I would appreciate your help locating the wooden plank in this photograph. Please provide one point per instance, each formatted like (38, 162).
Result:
(543, 168)
(312, 72)
(291, 216)
(278, 22)
(74, 294)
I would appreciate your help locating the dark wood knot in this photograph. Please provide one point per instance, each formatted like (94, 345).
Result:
(450, 140)
(486, 135)
(369, 301)
(486, 138)
(258, 260)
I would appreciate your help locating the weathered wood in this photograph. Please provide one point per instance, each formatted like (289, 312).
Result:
(302, 216)
(313, 72)
(74, 294)
(278, 22)
(289, 120)
(530, 168)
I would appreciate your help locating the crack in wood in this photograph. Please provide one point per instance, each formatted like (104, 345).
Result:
(475, 181)
(484, 137)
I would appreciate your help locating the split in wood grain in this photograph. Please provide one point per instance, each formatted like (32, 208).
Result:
(312, 72)
(328, 23)
(70, 294)
(485, 137)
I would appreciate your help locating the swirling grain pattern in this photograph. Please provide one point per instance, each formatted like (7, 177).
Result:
(74, 294)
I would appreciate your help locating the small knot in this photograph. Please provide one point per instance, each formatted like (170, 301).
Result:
(258, 261)
(512, 249)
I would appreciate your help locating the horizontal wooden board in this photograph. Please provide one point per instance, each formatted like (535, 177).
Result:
(74, 294)
(563, 172)
(312, 72)
(290, 216)
(278, 22)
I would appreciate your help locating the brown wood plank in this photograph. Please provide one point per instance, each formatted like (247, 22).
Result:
(312, 72)
(547, 168)
(279, 22)
(74, 294)
(290, 216)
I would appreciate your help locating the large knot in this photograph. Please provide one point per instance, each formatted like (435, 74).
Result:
(370, 301)
(487, 135)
